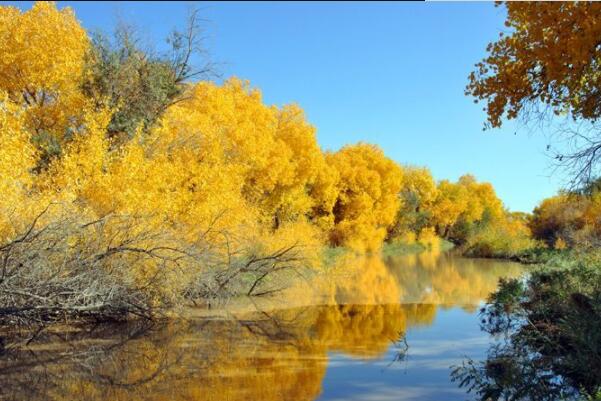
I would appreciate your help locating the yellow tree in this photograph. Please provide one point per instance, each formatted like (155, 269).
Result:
(291, 198)
(417, 195)
(451, 201)
(550, 58)
(174, 174)
(568, 219)
(42, 69)
(17, 158)
(324, 193)
(275, 150)
(470, 213)
(459, 206)
(367, 200)
(482, 201)
(219, 159)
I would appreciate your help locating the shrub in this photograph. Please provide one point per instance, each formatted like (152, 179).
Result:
(552, 330)
(506, 239)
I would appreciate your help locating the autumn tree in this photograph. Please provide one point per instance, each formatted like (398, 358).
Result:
(450, 203)
(482, 208)
(469, 214)
(272, 152)
(568, 219)
(17, 157)
(549, 60)
(367, 200)
(42, 69)
(417, 197)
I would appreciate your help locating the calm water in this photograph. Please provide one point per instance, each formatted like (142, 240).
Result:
(373, 329)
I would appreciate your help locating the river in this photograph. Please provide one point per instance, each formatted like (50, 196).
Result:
(375, 328)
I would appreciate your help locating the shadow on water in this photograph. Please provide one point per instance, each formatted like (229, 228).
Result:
(303, 352)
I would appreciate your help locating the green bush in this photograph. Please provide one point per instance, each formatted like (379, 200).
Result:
(549, 328)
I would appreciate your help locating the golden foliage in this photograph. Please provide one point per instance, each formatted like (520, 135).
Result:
(42, 66)
(467, 201)
(450, 203)
(427, 236)
(273, 151)
(17, 158)
(542, 59)
(506, 237)
(568, 220)
(367, 200)
(419, 184)
(417, 195)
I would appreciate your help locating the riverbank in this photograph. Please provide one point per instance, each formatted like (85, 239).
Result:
(547, 258)
(401, 248)
(244, 276)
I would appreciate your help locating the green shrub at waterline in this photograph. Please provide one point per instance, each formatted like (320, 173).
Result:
(550, 326)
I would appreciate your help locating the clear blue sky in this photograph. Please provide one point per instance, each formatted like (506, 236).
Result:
(387, 73)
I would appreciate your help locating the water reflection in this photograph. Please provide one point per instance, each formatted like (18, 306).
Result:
(359, 310)
(447, 279)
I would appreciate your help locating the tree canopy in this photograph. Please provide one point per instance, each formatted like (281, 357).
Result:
(549, 60)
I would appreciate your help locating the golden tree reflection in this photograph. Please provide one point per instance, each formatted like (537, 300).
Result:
(260, 353)
(445, 279)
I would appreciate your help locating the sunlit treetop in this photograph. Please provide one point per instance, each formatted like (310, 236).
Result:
(550, 55)
(42, 69)
(274, 149)
(419, 186)
(42, 51)
(367, 200)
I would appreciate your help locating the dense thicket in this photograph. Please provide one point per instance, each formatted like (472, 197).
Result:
(569, 220)
(548, 336)
(119, 176)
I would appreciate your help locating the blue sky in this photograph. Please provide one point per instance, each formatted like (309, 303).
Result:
(387, 73)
